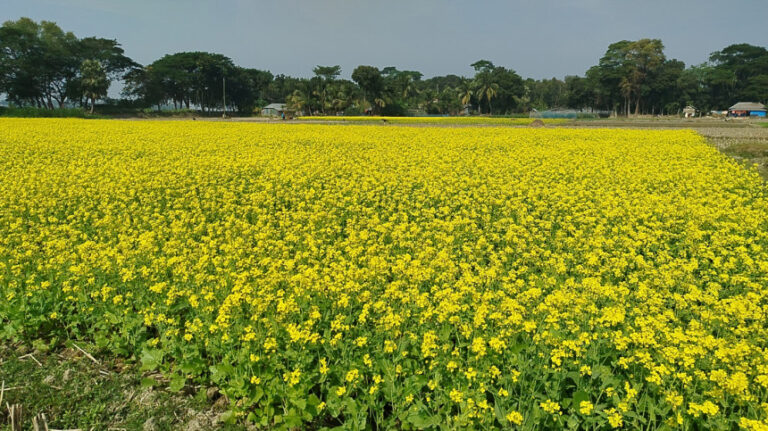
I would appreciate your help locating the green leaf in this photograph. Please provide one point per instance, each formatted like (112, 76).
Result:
(300, 403)
(292, 418)
(9, 331)
(148, 382)
(256, 394)
(177, 383)
(499, 414)
(574, 375)
(151, 359)
(573, 422)
(193, 366)
(578, 397)
(313, 400)
(229, 417)
(517, 348)
(221, 371)
(350, 407)
(420, 421)
(40, 345)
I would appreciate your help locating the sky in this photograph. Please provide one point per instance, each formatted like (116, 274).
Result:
(538, 39)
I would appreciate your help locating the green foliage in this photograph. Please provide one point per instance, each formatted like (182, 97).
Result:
(40, 64)
(739, 71)
(189, 79)
(486, 88)
(370, 81)
(327, 73)
(29, 111)
(93, 82)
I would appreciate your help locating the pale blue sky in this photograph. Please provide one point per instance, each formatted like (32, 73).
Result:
(538, 39)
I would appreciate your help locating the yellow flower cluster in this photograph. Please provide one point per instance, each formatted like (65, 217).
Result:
(468, 276)
(469, 120)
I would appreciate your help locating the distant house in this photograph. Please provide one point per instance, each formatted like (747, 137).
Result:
(747, 109)
(273, 109)
(689, 112)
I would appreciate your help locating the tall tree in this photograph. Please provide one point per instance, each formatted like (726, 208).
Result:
(607, 76)
(324, 76)
(94, 81)
(40, 64)
(486, 87)
(577, 92)
(511, 87)
(327, 73)
(297, 101)
(692, 87)
(644, 58)
(738, 72)
(190, 78)
(498, 83)
(371, 82)
(623, 74)
(465, 90)
(482, 65)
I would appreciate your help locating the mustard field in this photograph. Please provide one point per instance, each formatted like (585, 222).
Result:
(398, 277)
(452, 121)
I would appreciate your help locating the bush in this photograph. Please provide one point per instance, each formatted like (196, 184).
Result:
(149, 112)
(354, 111)
(29, 111)
(396, 109)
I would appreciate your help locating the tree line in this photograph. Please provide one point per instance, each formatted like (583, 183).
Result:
(43, 66)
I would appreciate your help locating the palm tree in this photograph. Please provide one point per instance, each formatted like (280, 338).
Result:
(322, 95)
(340, 100)
(361, 103)
(380, 102)
(297, 101)
(485, 87)
(464, 91)
(523, 103)
(408, 84)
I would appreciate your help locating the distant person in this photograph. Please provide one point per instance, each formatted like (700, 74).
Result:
(283, 116)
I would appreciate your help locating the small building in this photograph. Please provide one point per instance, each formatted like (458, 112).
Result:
(747, 109)
(689, 112)
(273, 110)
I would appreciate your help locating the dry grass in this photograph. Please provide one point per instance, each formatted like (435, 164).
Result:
(69, 388)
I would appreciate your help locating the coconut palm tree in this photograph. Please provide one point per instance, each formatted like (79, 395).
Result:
(340, 100)
(380, 102)
(464, 91)
(322, 96)
(408, 84)
(486, 88)
(298, 101)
